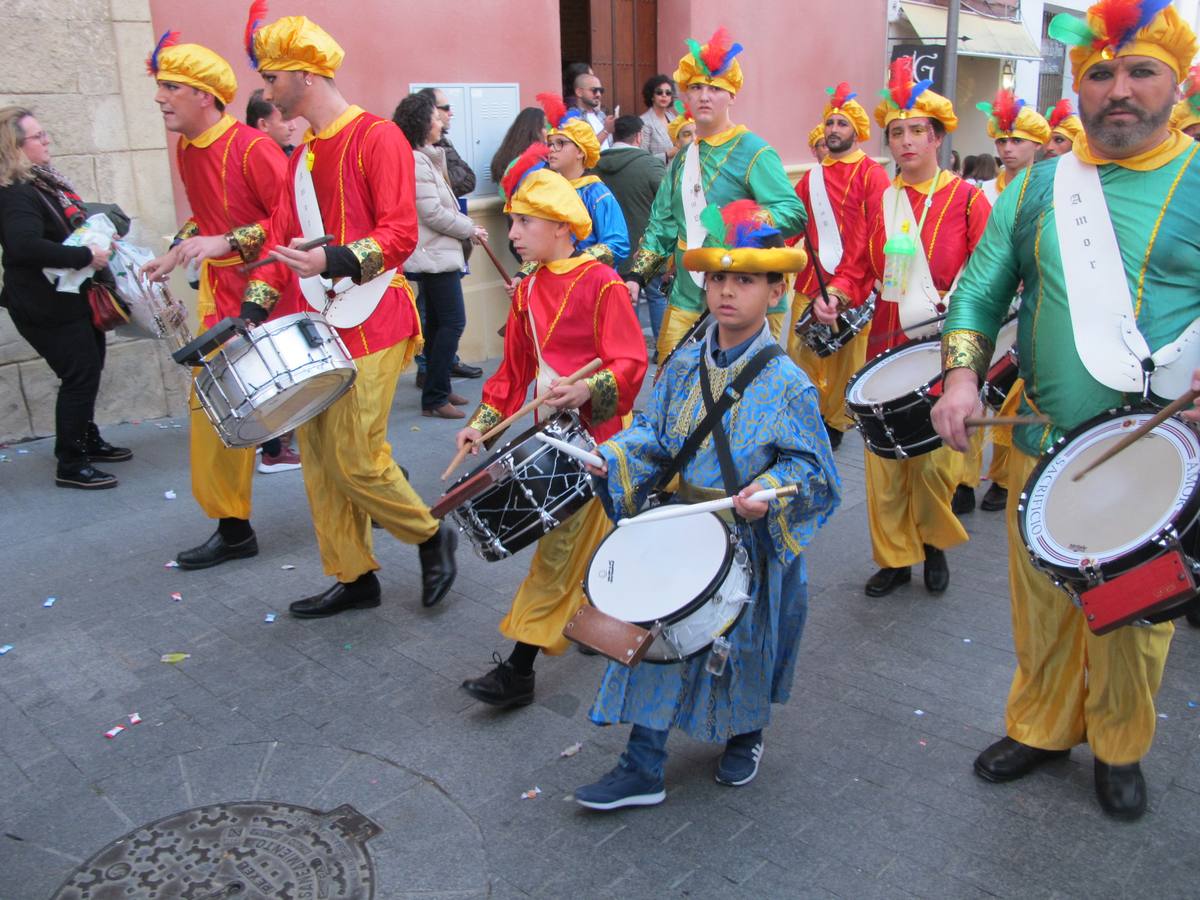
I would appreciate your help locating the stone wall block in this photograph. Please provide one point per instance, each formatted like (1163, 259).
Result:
(133, 42)
(106, 116)
(15, 424)
(13, 347)
(114, 178)
(130, 11)
(41, 389)
(155, 200)
(39, 60)
(67, 11)
(177, 381)
(132, 386)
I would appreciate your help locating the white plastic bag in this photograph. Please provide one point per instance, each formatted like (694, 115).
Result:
(98, 231)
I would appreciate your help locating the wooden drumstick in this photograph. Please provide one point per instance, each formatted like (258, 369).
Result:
(675, 510)
(268, 259)
(1165, 413)
(533, 404)
(495, 262)
(985, 421)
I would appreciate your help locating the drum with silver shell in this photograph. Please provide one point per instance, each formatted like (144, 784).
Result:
(826, 340)
(689, 575)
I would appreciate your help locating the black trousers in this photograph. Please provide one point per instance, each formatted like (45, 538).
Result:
(75, 353)
(445, 320)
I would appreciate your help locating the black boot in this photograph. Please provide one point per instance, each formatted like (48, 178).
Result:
(835, 436)
(98, 449)
(1008, 760)
(937, 573)
(85, 477)
(437, 565)
(502, 686)
(995, 499)
(1121, 790)
(964, 500)
(462, 370)
(233, 539)
(887, 580)
(362, 593)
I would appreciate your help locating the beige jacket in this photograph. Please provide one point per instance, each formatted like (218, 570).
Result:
(442, 228)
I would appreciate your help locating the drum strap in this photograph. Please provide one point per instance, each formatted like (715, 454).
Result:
(714, 410)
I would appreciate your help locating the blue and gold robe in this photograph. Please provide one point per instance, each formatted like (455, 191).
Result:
(776, 438)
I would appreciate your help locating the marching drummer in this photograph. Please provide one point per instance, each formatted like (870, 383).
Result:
(570, 310)
(1020, 133)
(920, 233)
(769, 438)
(835, 195)
(1123, 255)
(232, 173)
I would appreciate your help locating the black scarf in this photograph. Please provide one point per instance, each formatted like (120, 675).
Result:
(53, 182)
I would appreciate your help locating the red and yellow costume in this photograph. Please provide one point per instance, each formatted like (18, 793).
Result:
(362, 171)
(908, 501)
(853, 183)
(564, 315)
(232, 173)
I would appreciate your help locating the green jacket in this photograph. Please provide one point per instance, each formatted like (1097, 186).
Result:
(633, 176)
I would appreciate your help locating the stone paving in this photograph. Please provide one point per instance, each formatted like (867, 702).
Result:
(866, 788)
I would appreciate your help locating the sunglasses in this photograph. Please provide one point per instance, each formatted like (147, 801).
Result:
(445, 108)
(598, 90)
(665, 92)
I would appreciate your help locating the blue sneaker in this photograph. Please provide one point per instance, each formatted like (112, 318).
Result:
(622, 787)
(739, 762)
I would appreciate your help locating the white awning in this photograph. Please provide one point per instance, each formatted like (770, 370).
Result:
(996, 38)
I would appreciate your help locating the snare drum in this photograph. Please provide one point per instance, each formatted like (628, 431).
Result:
(631, 578)
(523, 492)
(272, 378)
(826, 340)
(1003, 371)
(891, 398)
(1123, 540)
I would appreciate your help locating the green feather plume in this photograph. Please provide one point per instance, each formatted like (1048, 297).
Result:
(713, 223)
(1066, 29)
(697, 52)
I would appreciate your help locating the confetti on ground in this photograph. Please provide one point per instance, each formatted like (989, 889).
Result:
(49, 602)
(3, 457)
(572, 750)
(1162, 715)
(5, 649)
(1192, 704)
(162, 426)
(966, 640)
(176, 596)
(415, 428)
(918, 712)
(923, 743)
(287, 568)
(269, 618)
(114, 731)
(531, 795)
(173, 658)
(170, 495)
(135, 719)
(171, 564)
(176, 426)
(23, 452)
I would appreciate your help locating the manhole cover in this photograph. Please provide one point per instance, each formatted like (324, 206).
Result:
(245, 850)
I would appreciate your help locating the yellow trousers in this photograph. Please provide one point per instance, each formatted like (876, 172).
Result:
(676, 322)
(552, 592)
(972, 468)
(830, 375)
(908, 505)
(222, 477)
(1072, 685)
(1002, 437)
(350, 475)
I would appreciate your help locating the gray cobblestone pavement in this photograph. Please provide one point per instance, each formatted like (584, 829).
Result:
(866, 788)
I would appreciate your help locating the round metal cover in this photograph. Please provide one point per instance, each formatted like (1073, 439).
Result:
(247, 850)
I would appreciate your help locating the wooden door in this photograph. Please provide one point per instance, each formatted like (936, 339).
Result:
(624, 35)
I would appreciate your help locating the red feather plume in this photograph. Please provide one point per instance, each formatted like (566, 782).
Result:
(1005, 110)
(740, 212)
(169, 39)
(258, 12)
(714, 51)
(901, 80)
(1191, 84)
(553, 106)
(1061, 110)
(534, 154)
(1118, 16)
(840, 93)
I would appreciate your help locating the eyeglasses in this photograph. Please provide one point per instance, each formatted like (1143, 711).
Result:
(596, 90)
(43, 136)
(665, 92)
(445, 108)
(558, 145)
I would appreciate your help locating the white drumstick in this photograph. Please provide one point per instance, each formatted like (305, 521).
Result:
(690, 509)
(571, 450)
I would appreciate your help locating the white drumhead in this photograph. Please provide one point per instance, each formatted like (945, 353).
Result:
(1118, 506)
(646, 572)
(1005, 340)
(909, 368)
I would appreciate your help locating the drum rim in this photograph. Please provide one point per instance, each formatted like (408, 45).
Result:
(1188, 514)
(888, 405)
(689, 657)
(696, 602)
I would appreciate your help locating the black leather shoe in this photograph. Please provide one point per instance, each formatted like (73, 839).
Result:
(86, 478)
(1193, 616)
(98, 449)
(1121, 790)
(420, 379)
(502, 686)
(215, 551)
(1007, 760)
(438, 567)
(885, 581)
(362, 593)
(835, 437)
(963, 501)
(462, 370)
(995, 499)
(937, 573)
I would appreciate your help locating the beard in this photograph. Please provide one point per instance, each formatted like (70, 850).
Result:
(1122, 136)
(837, 144)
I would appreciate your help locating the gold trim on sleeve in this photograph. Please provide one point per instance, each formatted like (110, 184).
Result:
(485, 418)
(648, 264)
(963, 349)
(605, 395)
(248, 241)
(260, 294)
(369, 255)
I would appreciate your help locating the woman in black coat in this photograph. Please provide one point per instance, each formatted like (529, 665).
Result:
(38, 210)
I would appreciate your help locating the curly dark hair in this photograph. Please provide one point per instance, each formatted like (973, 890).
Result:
(414, 115)
(527, 128)
(651, 86)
